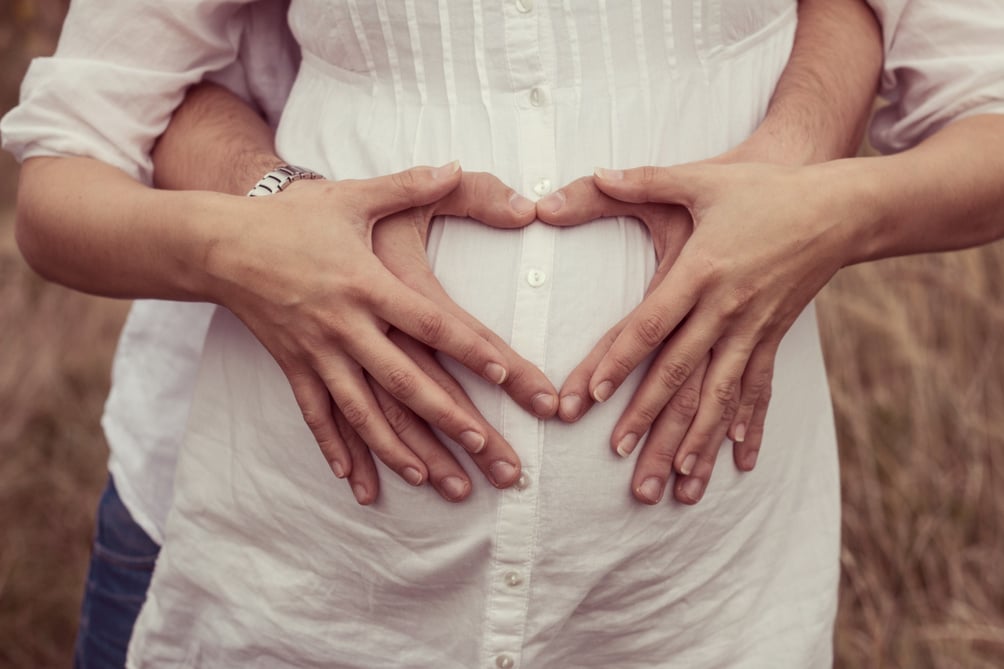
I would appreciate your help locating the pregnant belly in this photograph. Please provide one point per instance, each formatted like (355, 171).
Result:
(258, 511)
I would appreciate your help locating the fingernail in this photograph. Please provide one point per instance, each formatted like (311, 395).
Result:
(651, 490)
(739, 433)
(749, 462)
(337, 469)
(569, 407)
(688, 464)
(692, 489)
(603, 391)
(446, 170)
(473, 441)
(412, 476)
(627, 444)
(520, 204)
(454, 487)
(543, 404)
(609, 175)
(359, 490)
(552, 203)
(495, 373)
(502, 473)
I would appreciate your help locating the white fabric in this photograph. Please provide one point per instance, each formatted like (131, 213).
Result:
(121, 68)
(268, 560)
(943, 61)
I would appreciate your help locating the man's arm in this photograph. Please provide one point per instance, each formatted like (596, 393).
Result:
(817, 112)
(820, 107)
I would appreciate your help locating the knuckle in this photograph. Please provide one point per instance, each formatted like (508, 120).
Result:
(729, 412)
(431, 326)
(355, 414)
(706, 460)
(444, 418)
(652, 330)
(736, 300)
(673, 374)
(318, 421)
(468, 354)
(648, 176)
(645, 415)
(401, 383)
(724, 392)
(623, 365)
(759, 384)
(685, 402)
(659, 455)
(398, 417)
(404, 181)
(708, 268)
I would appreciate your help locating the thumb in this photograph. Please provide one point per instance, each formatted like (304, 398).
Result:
(415, 187)
(580, 202)
(483, 197)
(680, 184)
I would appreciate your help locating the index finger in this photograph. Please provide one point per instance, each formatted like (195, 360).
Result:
(415, 187)
(679, 184)
(645, 329)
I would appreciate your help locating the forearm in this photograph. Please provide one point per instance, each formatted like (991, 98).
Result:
(91, 227)
(945, 193)
(215, 142)
(824, 96)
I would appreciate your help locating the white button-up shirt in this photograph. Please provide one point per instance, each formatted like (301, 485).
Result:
(270, 561)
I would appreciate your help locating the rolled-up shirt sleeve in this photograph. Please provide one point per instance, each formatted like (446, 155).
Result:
(119, 71)
(943, 61)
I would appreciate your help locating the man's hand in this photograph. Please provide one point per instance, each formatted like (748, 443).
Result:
(302, 276)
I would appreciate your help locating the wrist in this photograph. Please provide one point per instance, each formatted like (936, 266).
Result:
(250, 169)
(779, 146)
(279, 178)
(855, 201)
(212, 226)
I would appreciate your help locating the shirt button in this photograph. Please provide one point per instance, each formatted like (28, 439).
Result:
(543, 187)
(513, 579)
(524, 6)
(504, 662)
(538, 96)
(536, 278)
(523, 482)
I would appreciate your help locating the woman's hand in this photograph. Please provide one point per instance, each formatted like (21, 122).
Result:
(765, 241)
(669, 227)
(303, 277)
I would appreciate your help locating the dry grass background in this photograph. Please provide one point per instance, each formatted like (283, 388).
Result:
(916, 360)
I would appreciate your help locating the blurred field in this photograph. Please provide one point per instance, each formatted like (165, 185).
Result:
(916, 361)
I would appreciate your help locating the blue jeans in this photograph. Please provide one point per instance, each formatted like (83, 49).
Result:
(122, 561)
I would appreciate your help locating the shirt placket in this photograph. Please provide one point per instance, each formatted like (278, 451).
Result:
(518, 518)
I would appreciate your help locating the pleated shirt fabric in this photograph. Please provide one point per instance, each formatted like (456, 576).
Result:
(268, 561)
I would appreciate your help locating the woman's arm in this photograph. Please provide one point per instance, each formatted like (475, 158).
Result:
(767, 239)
